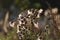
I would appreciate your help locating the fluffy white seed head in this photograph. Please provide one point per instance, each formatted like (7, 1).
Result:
(55, 10)
(29, 12)
(47, 12)
(19, 15)
(40, 11)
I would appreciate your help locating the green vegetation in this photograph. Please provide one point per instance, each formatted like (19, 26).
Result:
(10, 36)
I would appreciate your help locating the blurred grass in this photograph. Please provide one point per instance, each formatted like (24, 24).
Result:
(10, 36)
